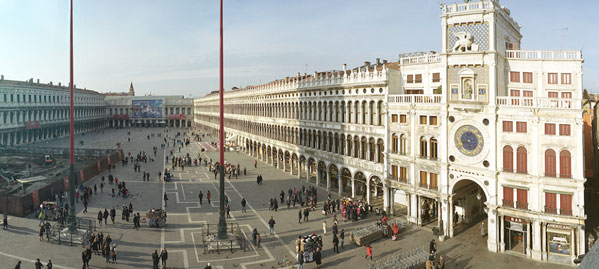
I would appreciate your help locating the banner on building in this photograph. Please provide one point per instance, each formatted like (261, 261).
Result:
(147, 108)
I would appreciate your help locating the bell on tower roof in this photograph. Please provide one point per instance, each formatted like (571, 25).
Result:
(131, 90)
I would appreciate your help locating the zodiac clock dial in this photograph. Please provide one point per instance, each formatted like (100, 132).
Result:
(469, 140)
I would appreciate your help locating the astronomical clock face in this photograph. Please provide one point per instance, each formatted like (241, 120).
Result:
(469, 140)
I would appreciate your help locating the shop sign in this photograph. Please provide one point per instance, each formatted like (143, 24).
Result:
(517, 220)
(558, 226)
(516, 226)
(32, 124)
(177, 116)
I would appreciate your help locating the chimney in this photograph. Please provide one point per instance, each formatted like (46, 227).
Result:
(344, 67)
(31, 80)
(2, 77)
(38, 81)
(367, 63)
(384, 61)
(378, 61)
(50, 83)
(59, 84)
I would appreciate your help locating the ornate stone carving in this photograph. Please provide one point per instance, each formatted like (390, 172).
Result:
(464, 43)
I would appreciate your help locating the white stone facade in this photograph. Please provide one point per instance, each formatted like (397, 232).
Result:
(32, 112)
(480, 130)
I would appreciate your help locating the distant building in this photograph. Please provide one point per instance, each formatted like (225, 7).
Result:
(31, 111)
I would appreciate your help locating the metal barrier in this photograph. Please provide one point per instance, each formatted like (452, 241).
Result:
(85, 227)
(413, 258)
(211, 243)
(40, 151)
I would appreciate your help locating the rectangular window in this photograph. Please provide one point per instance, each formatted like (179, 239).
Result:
(423, 179)
(394, 172)
(436, 77)
(394, 118)
(549, 128)
(550, 203)
(508, 197)
(403, 173)
(564, 129)
(514, 76)
(521, 127)
(423, 120)
(552, 78)
(410, 78)
(432, 120)
(527, 77)
(565, 204)
(552, 95)
(566, 78)
(423, 148)
(402, 118)
(522, 199)
(508, 126)
(418, 78)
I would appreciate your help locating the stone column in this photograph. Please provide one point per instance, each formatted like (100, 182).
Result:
(501, 234)
(317, 174)
(328, 181)
(529, 231)
(299, 170)
(492, 230)
(339, 181)
(368, 190)
(353, 188)
(386, 200)
(573, 246)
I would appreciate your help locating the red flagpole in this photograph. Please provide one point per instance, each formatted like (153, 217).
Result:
(222, 223)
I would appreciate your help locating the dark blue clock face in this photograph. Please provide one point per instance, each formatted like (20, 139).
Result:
(469, 140)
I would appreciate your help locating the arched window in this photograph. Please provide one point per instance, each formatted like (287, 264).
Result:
(508, 159)
(394, 143)
(403, 143)
(423, 147)
(550, 163)
(521, 164)
(434, 151)
(565, 164)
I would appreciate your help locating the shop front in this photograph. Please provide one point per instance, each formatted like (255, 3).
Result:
(516, 235)
(560, 242)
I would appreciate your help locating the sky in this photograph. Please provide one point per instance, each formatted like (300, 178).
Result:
(171, 47)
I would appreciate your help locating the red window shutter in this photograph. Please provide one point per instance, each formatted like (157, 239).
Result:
(565, 164)
(508, 196)
(550, 163)
(522, 196)
(508, 126)
(552, 95)
(508, 159)
(550, 128)
(550, 200)
(521, 127)
(565, 201)
(521, 160)
(564, 129)
(566, 95)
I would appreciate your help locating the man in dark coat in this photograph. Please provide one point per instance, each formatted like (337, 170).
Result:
(155, 259)
(164, 257)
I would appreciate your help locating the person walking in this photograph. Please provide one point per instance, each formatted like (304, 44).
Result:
(201, 196)
(228, 210)
(165, 199)
(483, 230)
(38, 264)
(18, 266)
(342, 236)
(335, 243)
(368, 252)
(113, 253)
(105, 216)
(84, 205)
(5, 221)
(317, 257)
(255, 164)
(112, 214)
(208, 196)
(300, 259)
(100, 217)
(41, 233)
(432, 248)
(299, 216)
(164, 257)
(324, 227)
(335, 229)
(306, 214)
(271, 224)
(155, 259)
(243, 203)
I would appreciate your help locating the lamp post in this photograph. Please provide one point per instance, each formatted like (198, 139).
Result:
(71, 221)
(222, 223)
